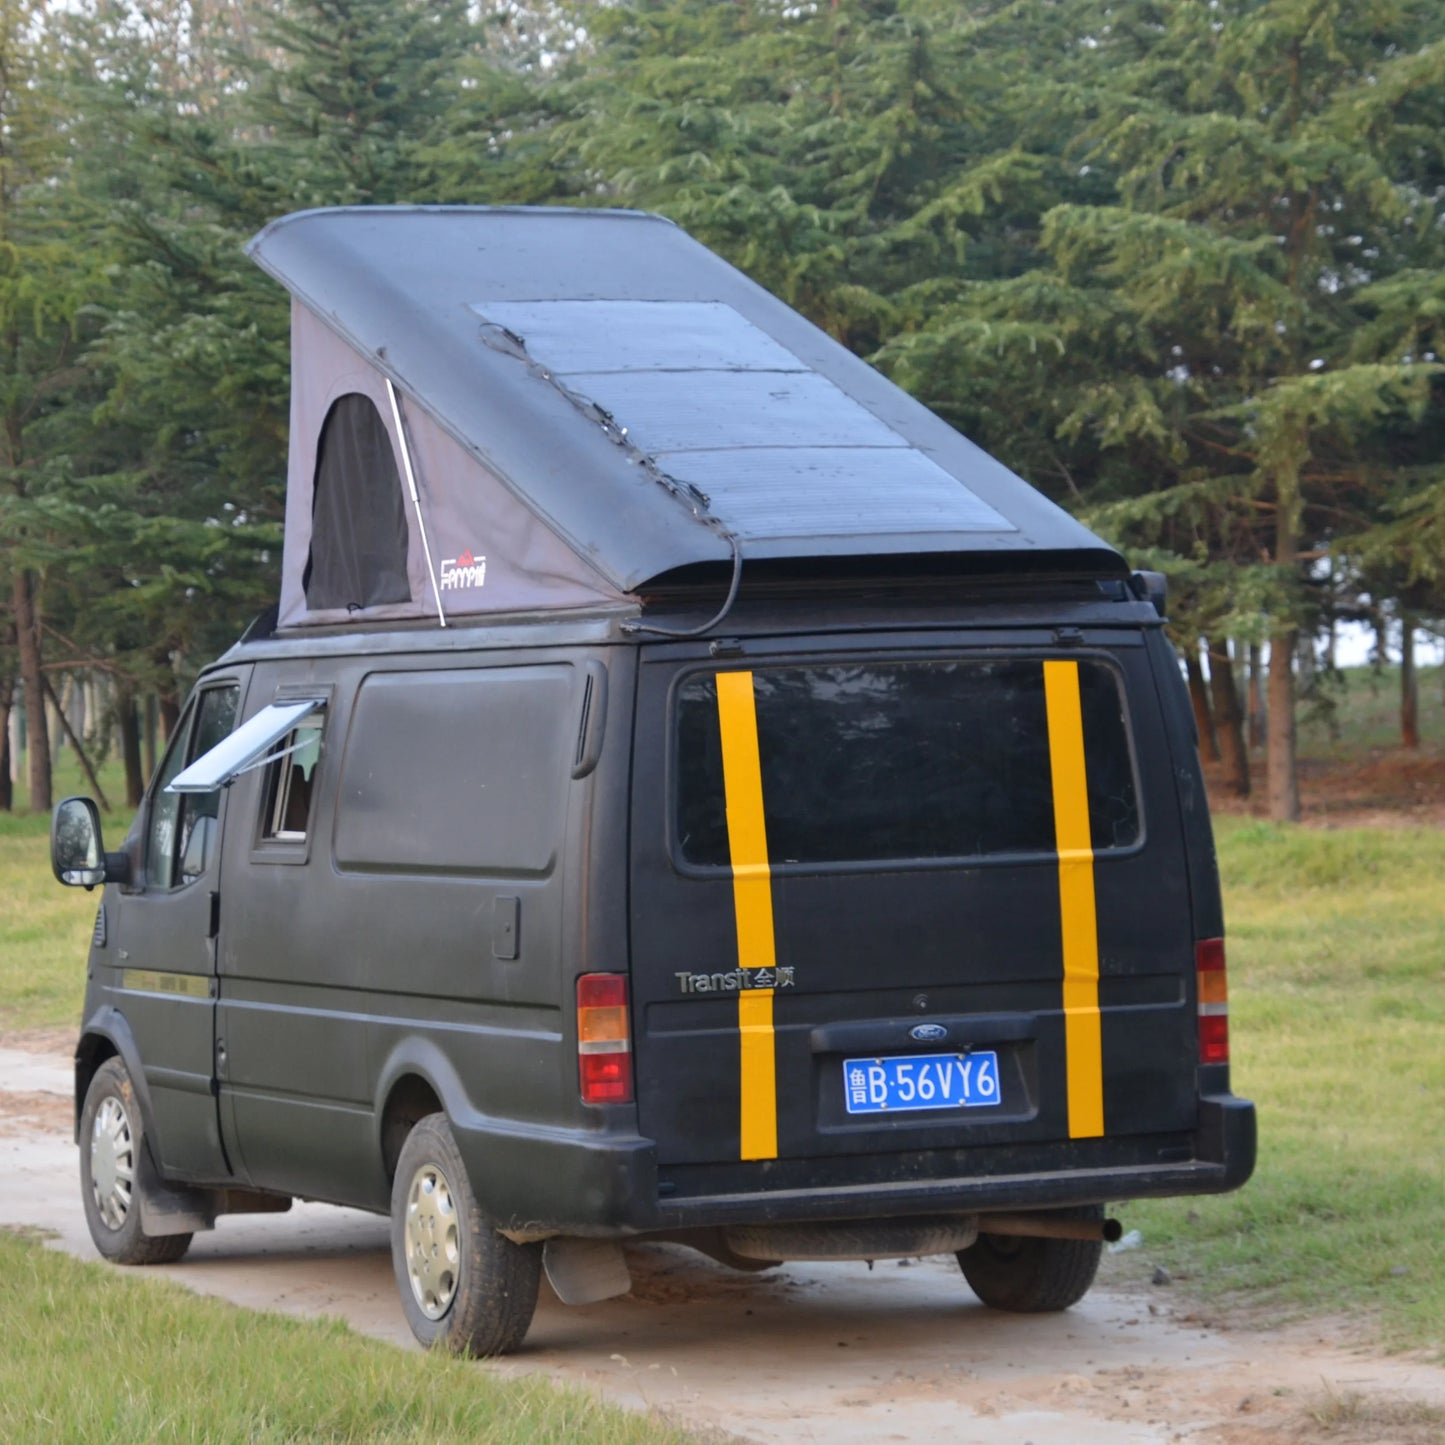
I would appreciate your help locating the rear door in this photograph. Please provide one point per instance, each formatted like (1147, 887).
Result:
(895, 896)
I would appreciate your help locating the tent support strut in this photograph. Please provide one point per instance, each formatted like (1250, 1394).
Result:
(431, 571)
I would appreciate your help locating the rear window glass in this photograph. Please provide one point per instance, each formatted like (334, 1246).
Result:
(873, 761)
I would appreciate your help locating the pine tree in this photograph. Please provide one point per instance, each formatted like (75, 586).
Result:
(1190, 342)
(177, 517)
(48, 273)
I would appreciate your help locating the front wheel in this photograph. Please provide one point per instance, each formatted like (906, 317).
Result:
(112, 1156)
(1033, 1276)
(464, 1287)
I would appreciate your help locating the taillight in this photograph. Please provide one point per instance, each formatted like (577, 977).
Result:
(1213, 1001)
(604, 1052)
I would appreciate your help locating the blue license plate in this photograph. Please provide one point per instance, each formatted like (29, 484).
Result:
(921, 1081)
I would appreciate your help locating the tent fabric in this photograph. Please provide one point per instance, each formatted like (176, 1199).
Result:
(323, 370)
(593, 401)
(359, 531)
(489, 551)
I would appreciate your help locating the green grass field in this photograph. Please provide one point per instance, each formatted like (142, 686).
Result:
(1360, 709)
(94, 1355)
(1337, 985)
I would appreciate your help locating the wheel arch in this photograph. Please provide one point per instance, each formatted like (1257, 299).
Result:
(106, 1035)
(417, 1079)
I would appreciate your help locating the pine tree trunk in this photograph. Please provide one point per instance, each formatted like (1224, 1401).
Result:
(14, 740)
(1280, 768)
(56, 733)
(1256, 696)
(7, 792)
(27, 638)
(1229, 719)
(150, 733)
(1280, 756)
(167, 701)
(1409, 685)
(1199, 697)
(128, 726)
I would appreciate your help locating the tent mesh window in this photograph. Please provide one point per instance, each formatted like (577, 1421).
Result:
(358, 520)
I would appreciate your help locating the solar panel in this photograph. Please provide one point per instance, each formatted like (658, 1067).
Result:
(778, 449)
(831, 490)
(572, 336)
(685, 411)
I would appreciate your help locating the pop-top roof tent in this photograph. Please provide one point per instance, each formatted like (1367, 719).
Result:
(506, 409)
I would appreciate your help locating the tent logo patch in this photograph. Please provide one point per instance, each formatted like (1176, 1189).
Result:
(460, 573)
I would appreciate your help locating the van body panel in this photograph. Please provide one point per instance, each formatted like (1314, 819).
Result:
(926, 940)
(434, 907)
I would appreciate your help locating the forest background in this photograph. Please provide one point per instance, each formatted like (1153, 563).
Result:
(1181, 265)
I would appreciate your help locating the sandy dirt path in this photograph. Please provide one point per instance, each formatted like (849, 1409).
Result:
(835, 1353)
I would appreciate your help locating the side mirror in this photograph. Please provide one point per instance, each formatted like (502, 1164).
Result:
(77, 856)
(198, 849)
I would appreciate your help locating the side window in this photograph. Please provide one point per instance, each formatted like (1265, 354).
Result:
(289, 784)
(175, 816)
(165, 809)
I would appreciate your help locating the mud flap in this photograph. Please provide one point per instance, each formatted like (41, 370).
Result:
(171, 1208)
(585, 1271)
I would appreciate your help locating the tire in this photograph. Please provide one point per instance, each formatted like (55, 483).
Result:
(1033, 1276)
(112, 1160)
(463, 1286)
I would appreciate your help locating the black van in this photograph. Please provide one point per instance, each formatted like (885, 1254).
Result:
(685, 791)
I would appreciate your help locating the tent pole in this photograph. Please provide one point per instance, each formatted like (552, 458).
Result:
(415, 500)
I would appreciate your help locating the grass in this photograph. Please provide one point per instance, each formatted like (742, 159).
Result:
(44, 927)
(44, 931)
(1359, 708)
(1400, 1422)
(91, 1354)
(1337, 983)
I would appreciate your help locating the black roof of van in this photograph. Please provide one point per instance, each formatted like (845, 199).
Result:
(651, 404)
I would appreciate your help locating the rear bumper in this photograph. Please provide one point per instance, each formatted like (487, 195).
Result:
(602, 1186)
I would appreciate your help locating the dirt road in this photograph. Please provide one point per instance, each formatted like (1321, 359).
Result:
(836, 1353)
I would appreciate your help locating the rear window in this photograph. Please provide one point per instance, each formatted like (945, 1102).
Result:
(877, 761)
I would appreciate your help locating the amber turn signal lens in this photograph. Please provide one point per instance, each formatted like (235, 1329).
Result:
(604, 1039)
(1213, 990)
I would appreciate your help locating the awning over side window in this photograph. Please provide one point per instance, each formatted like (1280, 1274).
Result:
(251, 741)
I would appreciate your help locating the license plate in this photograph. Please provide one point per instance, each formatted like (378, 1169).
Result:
(921, 1081)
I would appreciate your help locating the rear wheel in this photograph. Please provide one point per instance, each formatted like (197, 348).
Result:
(1033, 1276)
(463, 1286)
(112, 1156)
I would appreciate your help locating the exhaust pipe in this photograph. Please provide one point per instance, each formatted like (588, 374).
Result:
(1050, 1226)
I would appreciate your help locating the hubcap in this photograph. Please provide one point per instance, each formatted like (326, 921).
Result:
(433, 1243)
(112, 1162)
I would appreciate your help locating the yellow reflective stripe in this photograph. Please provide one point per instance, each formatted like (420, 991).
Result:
(1082, 1034)
(753, 909)
(758, 1095)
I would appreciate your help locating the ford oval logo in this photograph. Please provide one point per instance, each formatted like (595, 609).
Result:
(928, 1033)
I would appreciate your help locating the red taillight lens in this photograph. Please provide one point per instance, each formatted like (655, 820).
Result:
(604, 1048)
(1213, 1001)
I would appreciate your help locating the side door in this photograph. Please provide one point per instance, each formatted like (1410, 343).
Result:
(167, 930)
